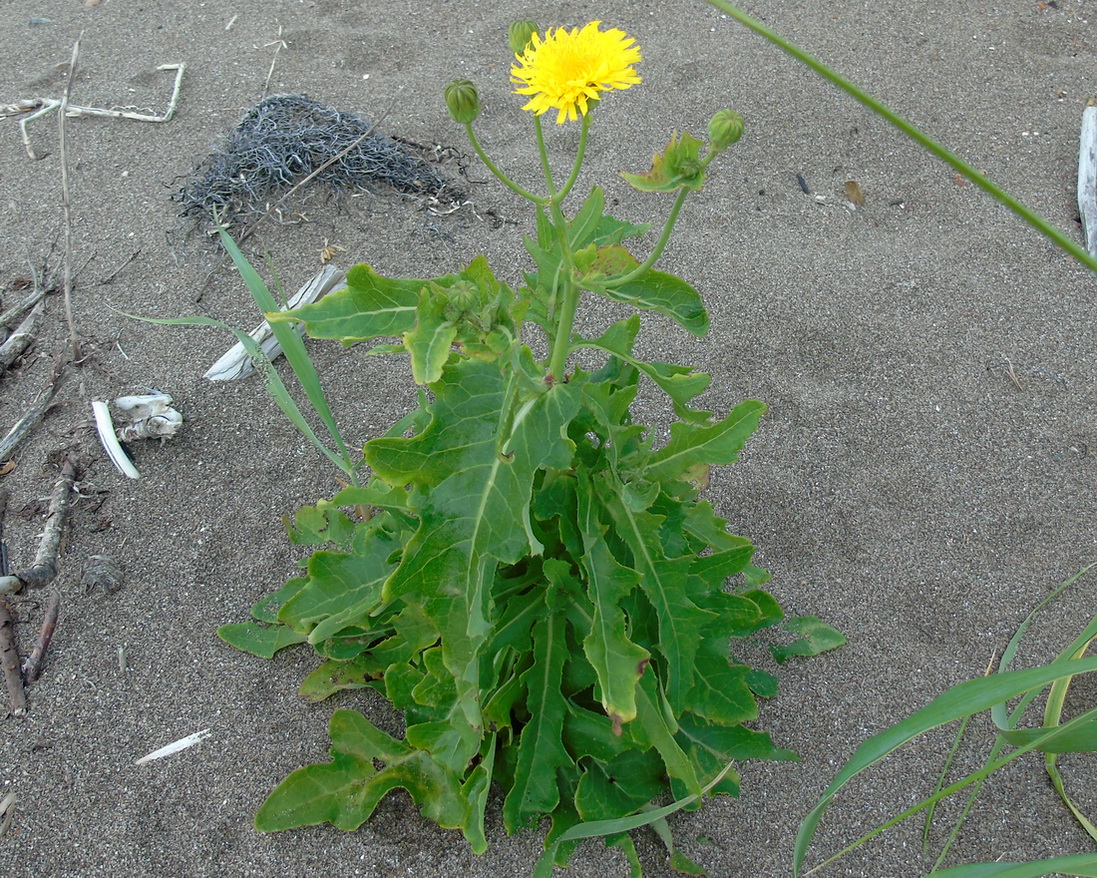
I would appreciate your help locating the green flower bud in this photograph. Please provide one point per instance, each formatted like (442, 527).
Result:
(520, 33)
(462, 101)
(464, 295)
(724, 129)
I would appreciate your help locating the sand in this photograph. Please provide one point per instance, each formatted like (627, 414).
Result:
(903, 486)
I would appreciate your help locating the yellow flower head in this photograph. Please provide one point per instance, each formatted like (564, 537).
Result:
(566, 70)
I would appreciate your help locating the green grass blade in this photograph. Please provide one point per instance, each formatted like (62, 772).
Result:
(1083, 865)
(1053, 713)
(961, 700)
(275, 386)
(973, 778)
(293, 346)
(1033, 219)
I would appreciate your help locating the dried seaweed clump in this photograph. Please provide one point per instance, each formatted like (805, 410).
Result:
(285, 138)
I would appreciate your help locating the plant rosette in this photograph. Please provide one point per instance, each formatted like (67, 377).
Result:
(538, 588)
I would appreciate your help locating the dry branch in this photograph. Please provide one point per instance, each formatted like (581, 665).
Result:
(16, 311)
(19, 340)
(33, 665)
(32, 418)
(44, 569)
(9, 660)
(65, 203)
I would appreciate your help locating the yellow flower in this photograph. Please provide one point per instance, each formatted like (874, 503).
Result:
(566, 70)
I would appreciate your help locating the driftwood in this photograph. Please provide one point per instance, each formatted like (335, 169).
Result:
(32, 667)
(44, 569)
(16, 311)
(1087, 178)
(19, 340)
(32, 418)
(9, 654)
(237, 364)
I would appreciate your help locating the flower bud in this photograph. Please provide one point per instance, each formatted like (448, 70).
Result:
(724, 129)
(462, 101)
(520, 33)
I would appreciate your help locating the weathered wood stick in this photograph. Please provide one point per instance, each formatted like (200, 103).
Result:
(1087, 178)
(16, 311)
(18, 341)
(44, 569)
(32, 667)
(9, 661)
(32, 418)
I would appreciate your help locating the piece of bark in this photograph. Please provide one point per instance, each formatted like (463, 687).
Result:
(32, 667)
(26, 424)
(9, 661)
(44, 569)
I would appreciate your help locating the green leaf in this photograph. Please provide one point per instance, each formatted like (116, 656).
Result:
(720, 692)
(430, 341)
(816, 636)
(369, 307)
(668, 585)
(621, 786)
(261, 640)
(1083, 865)
(541, 750)
(962, 700)
(1081, 739)
(345, 791)
(719, 444)
(679, 166)
(655, 726)
(616, 660)
(361, 672)
(657, 291)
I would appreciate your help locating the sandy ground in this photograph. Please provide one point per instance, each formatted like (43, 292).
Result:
(902, 487)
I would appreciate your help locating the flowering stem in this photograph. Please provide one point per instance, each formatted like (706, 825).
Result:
(583, 132)
(503, 178)
(668, 227)
(561, 344)
(544, 156)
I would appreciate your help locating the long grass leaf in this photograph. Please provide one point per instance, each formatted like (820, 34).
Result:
(292, 345)
(1033, 219)
(974, 777)
(275, 386)
(1083, 865)
(961, 700)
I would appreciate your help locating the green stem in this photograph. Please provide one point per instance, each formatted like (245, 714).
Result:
(1033, 219)
(543, 153)
(583, 132)
(668, 227)
(561, 344)
(503, 178)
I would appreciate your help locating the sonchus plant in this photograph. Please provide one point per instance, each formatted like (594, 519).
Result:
(539, 588)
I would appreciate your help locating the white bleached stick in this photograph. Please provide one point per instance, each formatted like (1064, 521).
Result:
(237, 364)
(175, 747)
(105, 427)
(1087, 178)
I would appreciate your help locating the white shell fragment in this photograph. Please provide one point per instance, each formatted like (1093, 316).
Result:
(237, 364)
(152, 417)
(175, 746)
(105, 427)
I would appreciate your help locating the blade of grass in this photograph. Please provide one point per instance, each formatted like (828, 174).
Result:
(998, 713)
(964, 699)
(275, 386)
(1053, 713)
(974, 777)
(1082, 865)
(292, 345)
(1033, 219)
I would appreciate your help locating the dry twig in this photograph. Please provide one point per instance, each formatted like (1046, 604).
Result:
(19, 340)
(32, 418)
(65, 205)
(37, 107)
(32, 667)
(44, 569)
(9, 655)
(9, 661)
